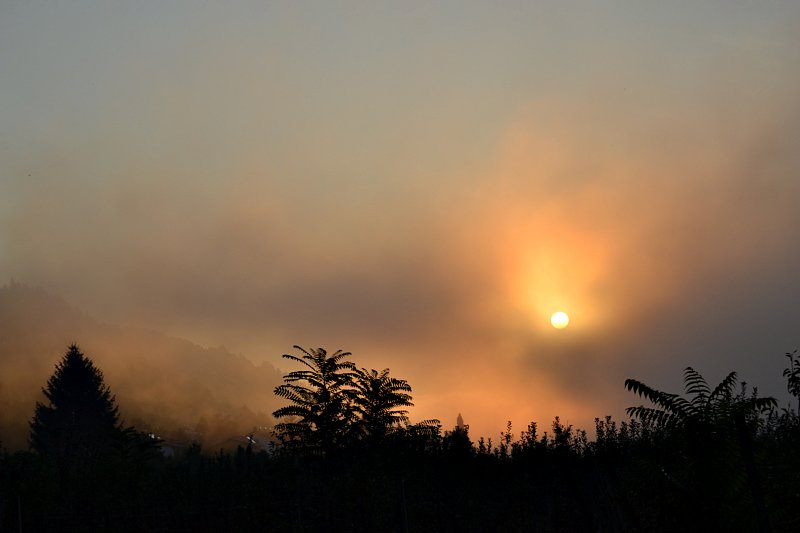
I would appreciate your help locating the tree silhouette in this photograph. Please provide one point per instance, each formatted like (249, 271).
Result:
(714, 428)
(706, 407)
(792, 375)
(81, 422)
(379, 402)
(322, 397)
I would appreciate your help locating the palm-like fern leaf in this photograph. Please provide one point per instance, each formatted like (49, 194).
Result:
(671, 404)
(695, 383)
(725, 388)
(707, 407)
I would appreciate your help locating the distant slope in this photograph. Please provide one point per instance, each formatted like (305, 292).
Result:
(162, 384)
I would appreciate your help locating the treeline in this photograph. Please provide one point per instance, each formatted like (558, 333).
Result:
(346, 458)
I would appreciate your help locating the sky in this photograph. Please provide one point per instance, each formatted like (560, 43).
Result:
(419, 183)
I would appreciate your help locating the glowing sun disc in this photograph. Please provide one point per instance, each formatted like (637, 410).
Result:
(559, 320)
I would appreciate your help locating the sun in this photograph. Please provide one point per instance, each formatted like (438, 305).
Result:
(559, 320)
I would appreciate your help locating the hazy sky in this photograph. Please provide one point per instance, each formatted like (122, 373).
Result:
(420, 183)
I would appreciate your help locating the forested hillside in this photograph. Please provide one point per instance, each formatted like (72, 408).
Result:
(162, 384)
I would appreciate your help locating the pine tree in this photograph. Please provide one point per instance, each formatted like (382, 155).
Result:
(80, 425)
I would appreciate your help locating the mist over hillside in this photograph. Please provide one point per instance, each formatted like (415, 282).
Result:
(162, 384)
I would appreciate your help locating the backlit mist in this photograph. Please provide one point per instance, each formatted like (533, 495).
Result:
(421, 185)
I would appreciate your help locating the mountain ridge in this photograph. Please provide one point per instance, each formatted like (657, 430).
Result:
(163, 384)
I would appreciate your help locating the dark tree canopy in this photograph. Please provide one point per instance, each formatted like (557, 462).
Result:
(709, 459)
(380, 402)
(321, 411)
(792, 375)
(715, 428)
(334, 405)
(706, 408)
(81, 421)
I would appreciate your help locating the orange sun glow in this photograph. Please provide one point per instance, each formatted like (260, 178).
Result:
(559, 320)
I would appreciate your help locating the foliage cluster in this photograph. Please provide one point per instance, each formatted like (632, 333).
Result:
(335, 405)
(348, 459)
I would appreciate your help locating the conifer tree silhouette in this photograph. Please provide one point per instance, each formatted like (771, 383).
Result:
(80, 424)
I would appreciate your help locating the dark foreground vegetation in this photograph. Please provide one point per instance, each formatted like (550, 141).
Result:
(346, 458)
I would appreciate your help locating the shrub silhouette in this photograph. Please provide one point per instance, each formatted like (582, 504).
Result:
(713, 432)
(706, 407)
(792, 375)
